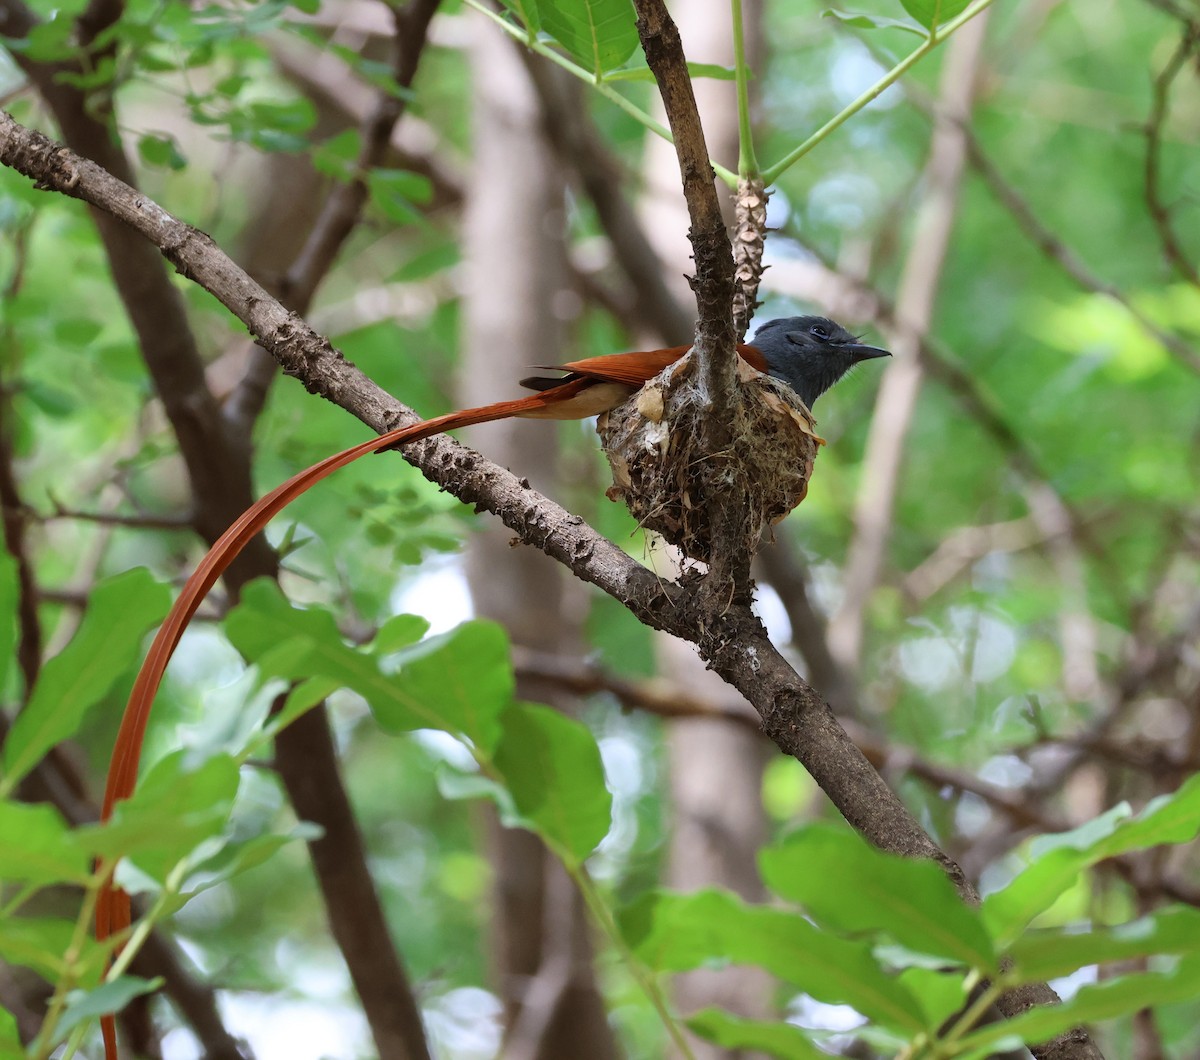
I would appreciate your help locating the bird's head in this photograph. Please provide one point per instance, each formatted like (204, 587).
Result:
(810, 354)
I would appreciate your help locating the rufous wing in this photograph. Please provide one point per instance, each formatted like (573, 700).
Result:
(635, 369)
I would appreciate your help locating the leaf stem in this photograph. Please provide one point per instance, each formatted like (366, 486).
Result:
(936, 36)
(600, 911)
(945, 1046)
(747, 162)
(43, 1045)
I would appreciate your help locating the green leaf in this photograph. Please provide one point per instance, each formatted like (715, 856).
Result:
(762, 1036)
(551, 765)
(336, 157)
(1059, 859)
(36, 942)
(174, 810)
(459, 682)
(527, 12)
(941, 992)
(106, 645)
(852, 887)
(1039, 955)
(1100, 1001)
(860, 21)
(235, 857)
(161, 150)
(599, 34)
(680, 932)
(398, 632)
(38, 846)
(462, 679)
(397, 191)
(110, 997)
(932, 13)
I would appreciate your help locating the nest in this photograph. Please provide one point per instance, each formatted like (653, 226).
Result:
(664, 475)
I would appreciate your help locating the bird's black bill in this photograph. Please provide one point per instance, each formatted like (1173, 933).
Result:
(865, 353)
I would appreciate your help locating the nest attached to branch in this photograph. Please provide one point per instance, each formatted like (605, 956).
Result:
(664, 475)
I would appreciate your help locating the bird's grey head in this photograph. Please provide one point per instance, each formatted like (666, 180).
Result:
(810, 354)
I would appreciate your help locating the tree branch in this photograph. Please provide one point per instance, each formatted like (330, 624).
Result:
(718, 394)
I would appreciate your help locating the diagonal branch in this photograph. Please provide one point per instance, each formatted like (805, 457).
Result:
(343, 209)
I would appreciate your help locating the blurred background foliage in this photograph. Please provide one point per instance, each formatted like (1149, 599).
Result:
(1025, 662)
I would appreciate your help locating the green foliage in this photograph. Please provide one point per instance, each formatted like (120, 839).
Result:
(859, 891)
(551, 767)
(858, 903)
(970, 679)
(933, 13)
(598, 34)
(105, 647)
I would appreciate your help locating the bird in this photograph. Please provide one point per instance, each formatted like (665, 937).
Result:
(809, 353)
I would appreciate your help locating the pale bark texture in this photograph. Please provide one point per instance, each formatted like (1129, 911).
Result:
(515, 264)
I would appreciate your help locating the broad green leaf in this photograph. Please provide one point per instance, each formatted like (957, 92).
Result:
(762, 1036)
(36, 942)
(110, 997)
(679, 932)
(941, 992)
(1059, 859)
(1040, 955)
(458, 682)
(398, 632)
(599, 34)
(861, 21)
(463, 679)
(106, 645)
(173, 811)
(848, 885)
(301, 698)
(933, 13)
(37, 846)
(1100, 1001)
(551, 765)
(1172, 818)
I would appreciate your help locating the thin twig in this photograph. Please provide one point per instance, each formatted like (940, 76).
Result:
(1160, 213)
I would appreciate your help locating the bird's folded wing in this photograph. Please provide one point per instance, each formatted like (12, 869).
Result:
(634, 369)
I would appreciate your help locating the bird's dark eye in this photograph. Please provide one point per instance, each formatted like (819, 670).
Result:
(819, 330)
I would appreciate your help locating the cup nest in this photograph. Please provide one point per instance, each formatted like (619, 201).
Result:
(654, 445)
